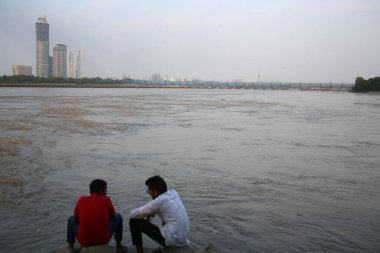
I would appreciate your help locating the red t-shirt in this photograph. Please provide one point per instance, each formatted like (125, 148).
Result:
(94, 212)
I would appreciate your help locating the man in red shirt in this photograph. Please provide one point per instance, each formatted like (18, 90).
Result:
(95, 221)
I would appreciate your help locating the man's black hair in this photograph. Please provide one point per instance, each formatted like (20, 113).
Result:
(97, 186)
(157, 183)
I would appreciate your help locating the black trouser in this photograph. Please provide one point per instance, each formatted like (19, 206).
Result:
(139, 226)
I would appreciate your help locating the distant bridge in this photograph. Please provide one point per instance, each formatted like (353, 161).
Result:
(243, 85)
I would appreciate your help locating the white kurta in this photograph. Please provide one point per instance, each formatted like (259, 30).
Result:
(169, 207)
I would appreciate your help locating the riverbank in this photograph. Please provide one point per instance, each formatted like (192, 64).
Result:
(165, 86)
(131, 249)
(64, 85)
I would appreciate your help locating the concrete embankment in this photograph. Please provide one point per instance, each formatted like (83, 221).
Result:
(109, 249)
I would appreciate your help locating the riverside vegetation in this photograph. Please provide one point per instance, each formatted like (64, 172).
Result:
(362, 85)
(33, 81)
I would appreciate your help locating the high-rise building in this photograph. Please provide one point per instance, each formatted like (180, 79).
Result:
(79, 65)
(71, 64)
(51, 63)
(60, 61)
(18, 70)
(42, 47)
(156, 77)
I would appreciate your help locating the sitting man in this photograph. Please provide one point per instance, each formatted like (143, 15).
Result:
(169, 207)
(95, 221)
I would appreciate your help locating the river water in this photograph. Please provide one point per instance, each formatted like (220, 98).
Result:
(258, 171)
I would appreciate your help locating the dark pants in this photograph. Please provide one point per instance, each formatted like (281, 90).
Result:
(139, 226)
(115, 226)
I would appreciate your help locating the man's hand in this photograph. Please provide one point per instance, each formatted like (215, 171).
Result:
(149, 217)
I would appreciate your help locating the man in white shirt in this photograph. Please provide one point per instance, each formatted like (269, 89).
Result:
(169, 207)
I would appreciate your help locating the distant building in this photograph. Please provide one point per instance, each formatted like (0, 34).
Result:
(51, 64)
(42, 47)
(60, 61)
(71, 64)
(156, 77)
(79, 65)
(18, 70)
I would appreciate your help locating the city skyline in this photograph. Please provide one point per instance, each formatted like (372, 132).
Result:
(294, 41)
(56, 65)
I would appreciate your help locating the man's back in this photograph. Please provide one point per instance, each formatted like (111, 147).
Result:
(173, 213)
(94, 212)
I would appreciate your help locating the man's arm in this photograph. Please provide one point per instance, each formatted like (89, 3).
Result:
(76, 219)
(111, 210)
(76, 212)
(149, 209)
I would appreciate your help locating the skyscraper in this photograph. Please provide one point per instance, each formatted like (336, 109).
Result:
(51, 63)
(60, 61)
(71, 64)
(42, 47)
(79, 65)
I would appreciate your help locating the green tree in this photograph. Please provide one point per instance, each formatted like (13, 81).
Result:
(362, 85)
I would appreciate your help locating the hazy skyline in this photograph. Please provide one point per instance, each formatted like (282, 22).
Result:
(295, 41)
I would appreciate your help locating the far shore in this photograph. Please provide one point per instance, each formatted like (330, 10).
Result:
(100, 85)
(65, 85)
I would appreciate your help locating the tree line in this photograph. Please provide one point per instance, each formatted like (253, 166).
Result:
(362, 85)
(85, 80)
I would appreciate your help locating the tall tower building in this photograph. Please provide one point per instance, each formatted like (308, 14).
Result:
(51, 62)
(42, 47)
(79, 65)
(60, 61)
(71, 64)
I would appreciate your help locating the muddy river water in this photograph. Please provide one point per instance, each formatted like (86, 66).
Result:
(258, 171)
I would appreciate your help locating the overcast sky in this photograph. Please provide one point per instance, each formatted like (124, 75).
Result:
(278, 40)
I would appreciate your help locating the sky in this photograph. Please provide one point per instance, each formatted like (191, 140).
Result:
(257, 40)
